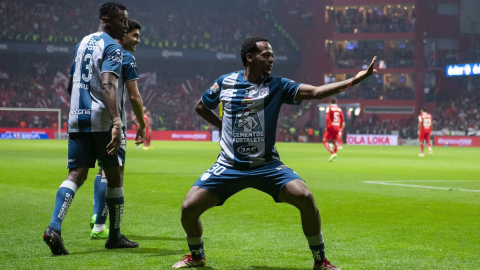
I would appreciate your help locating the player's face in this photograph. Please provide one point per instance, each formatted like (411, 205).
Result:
(263, 58)
(131, 40)
(119, 24)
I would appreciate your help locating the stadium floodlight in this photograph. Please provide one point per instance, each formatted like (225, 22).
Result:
(321, 109)
(39, 110)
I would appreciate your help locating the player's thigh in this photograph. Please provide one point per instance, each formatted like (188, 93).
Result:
(222, 181)
(198, 200)
(296, 193)
(81, 150)
(427, 137)
(272, 178)
(102, 139)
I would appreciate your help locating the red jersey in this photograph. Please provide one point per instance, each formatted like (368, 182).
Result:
(334, 117)
(147, 121)
(426, 122)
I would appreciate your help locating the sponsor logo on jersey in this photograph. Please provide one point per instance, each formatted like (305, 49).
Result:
(92, 44)
(247, 128)
(281, 167)
(248, 149)
(77, 111)
(115, 58)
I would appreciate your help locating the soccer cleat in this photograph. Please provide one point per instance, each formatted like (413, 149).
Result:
(332, 157)
(324, 265)
(92, 221)
(430, 151)
(189, 262)
(54, 241)
(421, 155)
(123, 242)
(99, 235)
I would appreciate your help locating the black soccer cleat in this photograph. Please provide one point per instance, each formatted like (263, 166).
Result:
(54, 241)
(122, 242)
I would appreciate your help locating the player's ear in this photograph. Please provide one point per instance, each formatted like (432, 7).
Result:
(249, 57)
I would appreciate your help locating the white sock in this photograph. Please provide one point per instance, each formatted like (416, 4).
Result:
(98, 227)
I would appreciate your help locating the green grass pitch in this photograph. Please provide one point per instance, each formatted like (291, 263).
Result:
(416, 213)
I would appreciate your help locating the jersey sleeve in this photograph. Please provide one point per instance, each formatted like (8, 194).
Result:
(328, 118)
(420, 120)
(211, 97)
(129, 64)
(112, 59)
(290, 89)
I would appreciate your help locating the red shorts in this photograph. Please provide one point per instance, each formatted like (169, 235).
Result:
(424, 136)
(331, 134)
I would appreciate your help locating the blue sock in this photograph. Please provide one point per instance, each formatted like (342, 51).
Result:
(101, 210)
(195, 244)
(96, 185)
(64, 198)
(115, 201)
(317, 246)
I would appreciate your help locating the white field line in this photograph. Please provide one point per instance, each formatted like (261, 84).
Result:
(394, 183)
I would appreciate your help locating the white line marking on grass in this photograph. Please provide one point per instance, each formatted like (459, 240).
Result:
(393, 183)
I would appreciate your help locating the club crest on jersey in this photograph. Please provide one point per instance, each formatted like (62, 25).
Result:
(247, 121)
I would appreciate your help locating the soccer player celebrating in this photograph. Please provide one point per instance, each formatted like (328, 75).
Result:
(334, 128)
(127, 82)
(424, 131)
(95, 125)
(251, 101)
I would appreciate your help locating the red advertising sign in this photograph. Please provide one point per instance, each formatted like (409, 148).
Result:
(361, 139)
(49, 133)
(175, 135)
(457, 141)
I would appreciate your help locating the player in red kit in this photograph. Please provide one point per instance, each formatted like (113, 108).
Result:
(335, 125)
(424, 130)
(148, 129)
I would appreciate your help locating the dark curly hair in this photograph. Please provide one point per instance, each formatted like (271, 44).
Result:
(333, 100)
(110, 8)
(249, 46)
(133, 24)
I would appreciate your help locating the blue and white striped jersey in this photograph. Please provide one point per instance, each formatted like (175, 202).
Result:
(250, 114)
(95, 54)
(129, 73)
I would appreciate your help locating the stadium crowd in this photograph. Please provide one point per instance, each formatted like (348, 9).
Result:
(375, 19)
(59, 22)
(360, 56)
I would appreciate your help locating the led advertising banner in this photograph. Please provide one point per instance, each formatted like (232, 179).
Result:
(463, 70)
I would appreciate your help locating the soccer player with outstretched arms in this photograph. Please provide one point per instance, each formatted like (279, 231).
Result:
(251, 100)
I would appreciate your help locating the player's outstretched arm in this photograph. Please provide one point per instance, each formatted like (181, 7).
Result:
(208, 115)
(306, 92)
(137, 107)
(109, 91)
